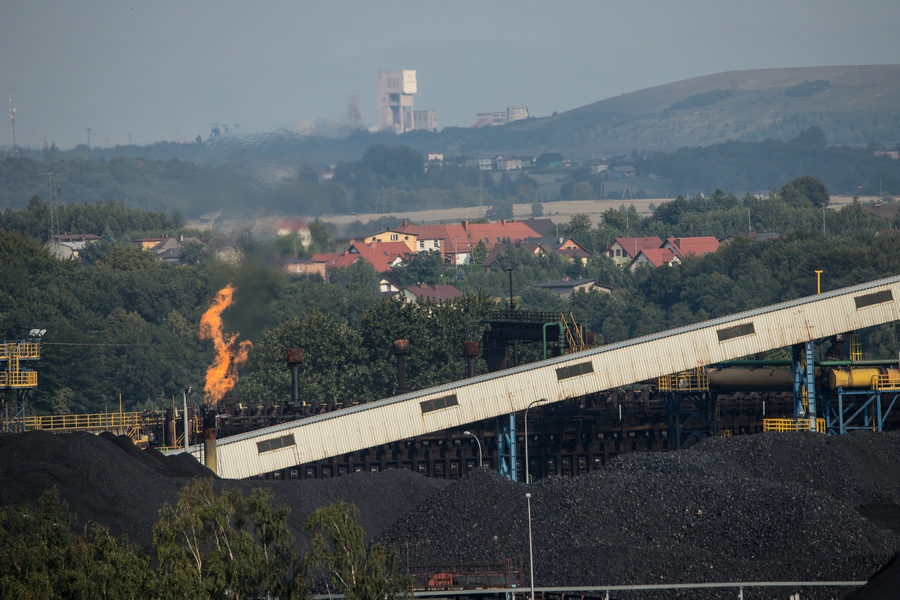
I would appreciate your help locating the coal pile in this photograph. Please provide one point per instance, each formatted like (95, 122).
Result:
(768, 507)
(107, 480)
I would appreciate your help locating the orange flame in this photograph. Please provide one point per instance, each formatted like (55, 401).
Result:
(222, 375)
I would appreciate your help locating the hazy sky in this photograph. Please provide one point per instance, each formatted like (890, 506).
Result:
(166, 70)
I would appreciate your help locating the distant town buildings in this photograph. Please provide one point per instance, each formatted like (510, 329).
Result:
(425, 119)
(500, 163)
(512, 113)
(516, 113)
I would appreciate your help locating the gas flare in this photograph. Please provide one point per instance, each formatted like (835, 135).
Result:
(221, 375)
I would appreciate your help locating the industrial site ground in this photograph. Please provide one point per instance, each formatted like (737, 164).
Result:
(764, 507)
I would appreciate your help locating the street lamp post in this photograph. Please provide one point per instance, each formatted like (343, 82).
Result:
(527, 473)
(530, 546)
(480, 461)
(187, 432)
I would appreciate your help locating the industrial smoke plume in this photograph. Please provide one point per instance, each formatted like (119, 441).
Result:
(221, 375)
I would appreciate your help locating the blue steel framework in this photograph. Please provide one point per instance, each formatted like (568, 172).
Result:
(868, 414)
(803, 368)
(690, 408)
(506, 446)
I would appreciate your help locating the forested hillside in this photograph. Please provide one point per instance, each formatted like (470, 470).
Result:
(397, 179)
(128, 324)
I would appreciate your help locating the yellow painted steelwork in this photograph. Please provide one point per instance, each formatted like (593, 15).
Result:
(855, 347)
(13, 353)
(575, 341)
(86, 422)
(26, 350)
(695, 380)
(868, 378)
(18, 379)
(793, 425)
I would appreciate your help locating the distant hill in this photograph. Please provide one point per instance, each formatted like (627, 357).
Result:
(852, 105)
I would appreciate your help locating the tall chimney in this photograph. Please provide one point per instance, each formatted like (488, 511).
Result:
(209, 440)
(169, 434)
(295, 359)
(470, 351)
(401, 349)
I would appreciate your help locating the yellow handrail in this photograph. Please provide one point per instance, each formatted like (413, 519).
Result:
(19, 350)
(695, 380)
(18, 379)
(793, 425)
(88, 421)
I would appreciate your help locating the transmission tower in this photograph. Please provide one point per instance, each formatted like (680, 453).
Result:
(89, 136)
(12, 116)
(54, 216)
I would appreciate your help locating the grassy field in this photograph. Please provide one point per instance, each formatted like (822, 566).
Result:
(560, 212)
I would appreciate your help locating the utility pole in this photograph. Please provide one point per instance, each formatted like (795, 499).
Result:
(12, 115)
(54, 216)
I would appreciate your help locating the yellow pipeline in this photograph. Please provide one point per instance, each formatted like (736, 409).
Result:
(864, 378)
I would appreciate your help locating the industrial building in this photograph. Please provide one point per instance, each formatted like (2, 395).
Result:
(395, 100)
(425, 119)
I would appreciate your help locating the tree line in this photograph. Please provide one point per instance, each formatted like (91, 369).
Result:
(391, 177)
(214, 543)
(125, 325)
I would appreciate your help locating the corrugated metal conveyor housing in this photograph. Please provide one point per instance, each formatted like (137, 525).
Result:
(512, 390)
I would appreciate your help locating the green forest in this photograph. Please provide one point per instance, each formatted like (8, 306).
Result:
(214, 543)
(389, 177)
(124, 325)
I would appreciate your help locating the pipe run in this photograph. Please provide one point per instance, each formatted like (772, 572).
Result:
(209, 440)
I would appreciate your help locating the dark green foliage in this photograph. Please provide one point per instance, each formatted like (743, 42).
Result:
(807, 88)
(108, 217)
(340, 556)
(42, 558)
(760, 166)
(421, 267)
(813, 137)
(145, 184)
(500, 210)
(126, 325)
(219, 544)
(702, 99)
(805, 191)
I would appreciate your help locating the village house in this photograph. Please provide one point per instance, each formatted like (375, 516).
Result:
(394, 235)
(70, 244)
(437, 292)
(698, 246)
(565, 287)
(654, 257)
(624, 249)
(457, 240)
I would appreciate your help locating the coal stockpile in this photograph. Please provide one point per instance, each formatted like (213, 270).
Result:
(107, 480)
(768, 507)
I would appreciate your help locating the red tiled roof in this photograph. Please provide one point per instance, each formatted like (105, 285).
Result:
(434, 292)
(465, 236)
(693, 245)
(631, 246)
(658, 256)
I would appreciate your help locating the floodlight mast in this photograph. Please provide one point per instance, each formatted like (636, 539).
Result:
(14, 152)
